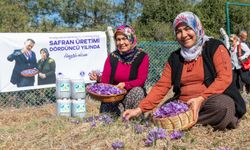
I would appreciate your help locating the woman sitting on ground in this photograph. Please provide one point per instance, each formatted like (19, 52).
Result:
(201, 75)
(126, 67)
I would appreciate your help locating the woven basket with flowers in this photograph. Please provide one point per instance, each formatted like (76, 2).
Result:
(174, 115)
(106, 92)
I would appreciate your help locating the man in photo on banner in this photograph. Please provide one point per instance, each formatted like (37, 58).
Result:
(24, 58)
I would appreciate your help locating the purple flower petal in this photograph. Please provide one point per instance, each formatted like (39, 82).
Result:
(170, 109)
(104, 89)
(176, 135)
(117, 145)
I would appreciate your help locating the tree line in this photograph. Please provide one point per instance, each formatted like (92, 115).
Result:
(151, 19)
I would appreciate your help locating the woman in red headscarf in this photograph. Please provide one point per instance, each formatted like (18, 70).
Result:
(126, 67)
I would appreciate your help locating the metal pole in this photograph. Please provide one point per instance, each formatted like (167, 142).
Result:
(227, 18)
(227, 13)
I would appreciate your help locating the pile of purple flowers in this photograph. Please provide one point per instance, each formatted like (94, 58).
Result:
(170, 109)
(104, 89)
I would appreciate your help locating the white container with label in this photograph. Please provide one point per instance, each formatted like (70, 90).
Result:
(78, 108)
(78, 89)
(63, 88)
(63, 107)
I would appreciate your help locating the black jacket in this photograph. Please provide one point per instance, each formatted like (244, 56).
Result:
(176, 62)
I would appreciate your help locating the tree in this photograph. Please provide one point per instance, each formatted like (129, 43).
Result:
(10, 20)
(212, 16)
(157, 16)
(128, 10)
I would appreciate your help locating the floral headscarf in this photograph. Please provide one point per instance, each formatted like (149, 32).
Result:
(129, 56)
(191, 20)
(129, 32)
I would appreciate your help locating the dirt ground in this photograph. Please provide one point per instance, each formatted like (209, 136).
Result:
(39, 128)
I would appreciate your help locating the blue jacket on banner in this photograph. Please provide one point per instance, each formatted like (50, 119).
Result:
(22, 62)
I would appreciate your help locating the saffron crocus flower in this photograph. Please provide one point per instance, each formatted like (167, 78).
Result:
(106, 119)
(147, 124)
(223, 148)
(138, 128)
(154, 134)
(75, 121)
(176, 135)
(117, 145)
(89, 119)
(93, 124)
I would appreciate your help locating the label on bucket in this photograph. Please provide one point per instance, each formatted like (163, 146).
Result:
(80, 108)
(64, 87)
(64, 108)
(79, 87)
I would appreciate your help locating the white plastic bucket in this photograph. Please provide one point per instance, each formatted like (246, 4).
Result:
(62, 88)
(63, 107)
(78, 108)
(78, 89)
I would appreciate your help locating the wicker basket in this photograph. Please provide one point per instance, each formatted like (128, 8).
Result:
(182, 121)
(107, 98)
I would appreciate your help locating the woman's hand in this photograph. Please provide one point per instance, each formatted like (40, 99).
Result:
(121, 85)
(94, 76)
(196, 104)
(130, 113)
(42, 75)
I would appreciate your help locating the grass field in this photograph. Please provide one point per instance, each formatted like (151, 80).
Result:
(39, 128)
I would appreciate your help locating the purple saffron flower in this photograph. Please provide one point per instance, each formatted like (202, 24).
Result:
(124, 119)
(147, 124)
(161, 133)
(127, 126)
(154, 134)
(176, 135)
(75, 121)
(107, 119)
(138, 128)
(150, 140)
(117, 145)
(93, 124)
(223, 148)
(89, 119)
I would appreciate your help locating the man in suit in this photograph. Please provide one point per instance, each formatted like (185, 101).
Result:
(24, 58)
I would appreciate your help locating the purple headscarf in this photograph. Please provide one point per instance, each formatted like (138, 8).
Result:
(191, 20)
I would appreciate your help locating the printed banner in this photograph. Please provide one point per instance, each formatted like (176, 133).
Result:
(68, 54)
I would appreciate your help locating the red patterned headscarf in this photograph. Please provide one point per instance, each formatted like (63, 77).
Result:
(129, 32)
(130, 55)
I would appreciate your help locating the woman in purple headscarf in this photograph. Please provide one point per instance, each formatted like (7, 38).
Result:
(126, 67)
(201, 75)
